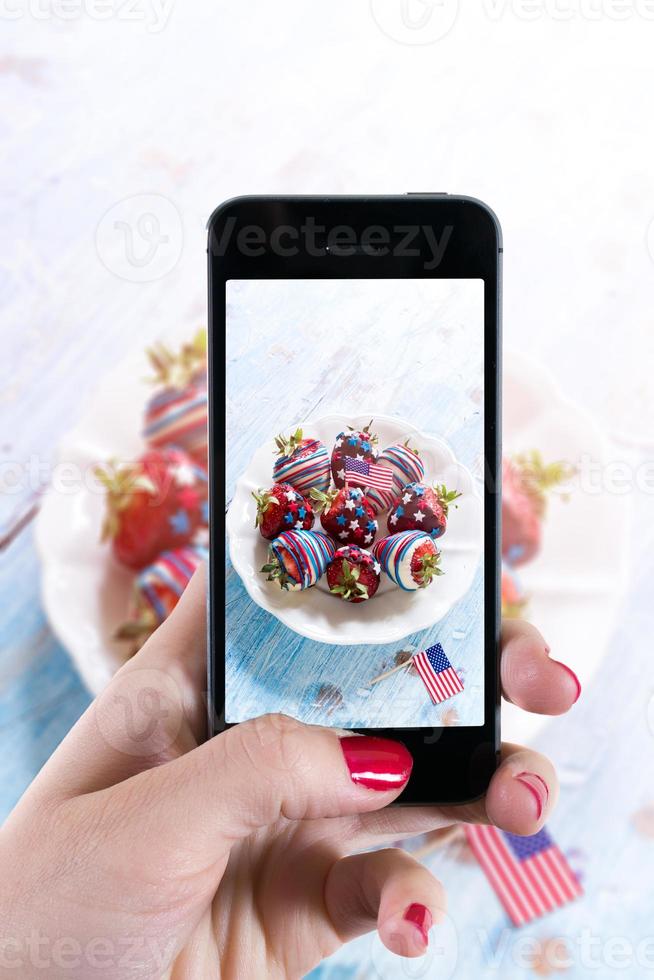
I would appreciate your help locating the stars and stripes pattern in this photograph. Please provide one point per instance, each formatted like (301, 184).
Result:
(364, 474)
(437, 673)
(530, 875)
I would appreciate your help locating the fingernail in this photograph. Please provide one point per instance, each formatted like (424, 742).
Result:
(538, 789)
(574, 677)
(377, 763)
(421, 918)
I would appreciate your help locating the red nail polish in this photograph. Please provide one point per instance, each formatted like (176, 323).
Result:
(421, 918)
(574, 677)
(538, 789)
(377, 763)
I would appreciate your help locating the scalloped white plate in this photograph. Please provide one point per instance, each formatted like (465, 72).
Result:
(392, 613)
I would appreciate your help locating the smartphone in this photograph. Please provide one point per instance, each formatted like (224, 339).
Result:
(354, 468)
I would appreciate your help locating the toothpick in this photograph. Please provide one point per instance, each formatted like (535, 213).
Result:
(393, 670)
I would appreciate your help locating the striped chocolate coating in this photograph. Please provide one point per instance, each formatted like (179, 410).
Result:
(394, 554)
(311, 551)
(311, 469)
(406, 467)
(161, 584)
(176, 417)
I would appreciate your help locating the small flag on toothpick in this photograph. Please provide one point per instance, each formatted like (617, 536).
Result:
(435, 670)
(437, 673)
(361, 473)
(529, 875)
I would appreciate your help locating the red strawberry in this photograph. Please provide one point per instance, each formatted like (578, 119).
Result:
(409, 558)
(421, 508)
(526, 480)
(282, 509)
(157, 590)
(304, 463)
(356, 443)
(154, 504)
(353, 575)
(425, 563)
(347, 515)
(513, 599)
(176, 415)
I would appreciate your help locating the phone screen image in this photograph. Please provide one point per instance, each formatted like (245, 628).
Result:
(354, 465)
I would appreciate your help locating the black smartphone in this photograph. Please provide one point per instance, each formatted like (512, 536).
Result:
(354, 352)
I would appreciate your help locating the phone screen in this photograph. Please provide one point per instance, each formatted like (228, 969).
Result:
(354, 586)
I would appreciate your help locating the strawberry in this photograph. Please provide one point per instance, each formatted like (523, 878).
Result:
(297, 559)
(356, 443)
(154, 504)
(347, 515)
(157, 590)
(513, 599)
(281, 509)
(409, 558)
(526, 481)
(422, 508)
(176, 415)
(405, 464)
(353, 575)
(304, 463)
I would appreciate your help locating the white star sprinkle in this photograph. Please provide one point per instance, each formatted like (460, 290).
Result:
(360, 456)
(341, 474)
(291, 495)
(377, 568)
(367, 539)
(406, 498)
(349, 504)
(343, 535)
(392, 519)
(354, 525)
(419, 516)
(184, 475)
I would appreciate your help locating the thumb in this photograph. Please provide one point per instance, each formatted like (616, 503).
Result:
(251, 775)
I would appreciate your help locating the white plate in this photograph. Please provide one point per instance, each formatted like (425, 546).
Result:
(392, 613)
(574, 585)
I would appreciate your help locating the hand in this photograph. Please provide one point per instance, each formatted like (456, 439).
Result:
(140, 851)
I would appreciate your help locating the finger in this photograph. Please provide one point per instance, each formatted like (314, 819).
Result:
(253, 775)
(152, 710)
(388, 889)
(531, 679)
(521, 795)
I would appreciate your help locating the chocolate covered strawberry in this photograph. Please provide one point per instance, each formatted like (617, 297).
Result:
(176, 415)
(422, 508)
(154, 504)
(405, 464)
(410, 559)
(304, 463)
(359, 444)
(282, 509)
(353, 575)
(297, 559)
(513, 598)
(347, 515)
(156, 591)
(526, 481)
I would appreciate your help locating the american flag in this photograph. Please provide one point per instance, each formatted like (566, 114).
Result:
(361, 473)
(529, 874)
(437, 673)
